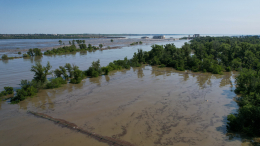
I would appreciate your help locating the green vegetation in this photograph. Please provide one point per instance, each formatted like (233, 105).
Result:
(72, 48)
(7, 91)
(34, 52)
(55, 83)
(111, 40)
(60, 42)
(211, 54)
(26, 55)
(41, 72)
(61, 50)
(5, 57)
(78, 75)
(100, 46)
(246, 121)
(19, 53)
(136, 43)
(94, 70)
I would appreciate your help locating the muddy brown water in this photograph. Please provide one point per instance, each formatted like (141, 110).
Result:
(13, 70)
(146, 106)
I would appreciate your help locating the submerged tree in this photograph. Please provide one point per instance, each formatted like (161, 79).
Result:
(60, 42)
(100, 46)
(41, 72)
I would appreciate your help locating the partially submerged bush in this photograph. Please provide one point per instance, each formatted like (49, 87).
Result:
(27, 90)
(55, 83)
(34, 52)
(4, 57)
(78, 76)
(7, 90)
(162, 66)
(26, 55)
(94, 70)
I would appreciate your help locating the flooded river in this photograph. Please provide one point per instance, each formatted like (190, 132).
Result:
(12, 71)
(146, 106)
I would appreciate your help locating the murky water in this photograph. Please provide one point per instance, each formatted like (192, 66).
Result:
(145, 106)
(12, 71)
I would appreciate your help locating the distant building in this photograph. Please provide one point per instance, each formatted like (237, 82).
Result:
(145, 37)
(159, 37)
(196, 35)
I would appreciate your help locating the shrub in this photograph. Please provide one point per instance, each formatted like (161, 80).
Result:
(78, 76)
(55, 83)
(27, 89)
(26, 55)
(94, 70)
(37, 52)
(9, 90)
(3, 93)
(100, 46)
(82, 46)
(4, 57)
(162, 66)
(19, 53)
(105, 70)
(228, 69)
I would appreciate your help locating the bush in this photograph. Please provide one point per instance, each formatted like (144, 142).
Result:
(27, 89)
(19, 53)
(162, 66)
(4, 57)
(55, 83)
(94, 70)
(82, 46)
(9, 90)
(78, 76)
(3, 93)
(69, 69)
(228, 69)
(26, 55)
(34, 52)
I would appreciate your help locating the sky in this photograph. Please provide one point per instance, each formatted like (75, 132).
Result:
(130, 16)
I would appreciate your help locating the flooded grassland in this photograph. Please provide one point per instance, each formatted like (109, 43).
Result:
(146, 106)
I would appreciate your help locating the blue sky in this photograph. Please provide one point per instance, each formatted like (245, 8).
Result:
(135, 16)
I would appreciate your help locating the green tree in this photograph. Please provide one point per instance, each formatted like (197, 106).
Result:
(100, 46)
(60, 42)
(69, 69)
(41, 72)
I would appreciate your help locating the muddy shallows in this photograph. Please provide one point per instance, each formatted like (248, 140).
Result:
(145, 106)
(72, 126)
